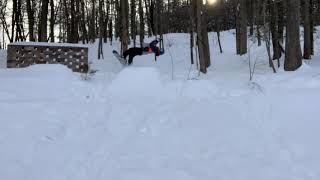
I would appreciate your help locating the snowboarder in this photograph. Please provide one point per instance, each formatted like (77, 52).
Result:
(135, 51)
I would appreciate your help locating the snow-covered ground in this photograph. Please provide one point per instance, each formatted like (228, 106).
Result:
(139, 124)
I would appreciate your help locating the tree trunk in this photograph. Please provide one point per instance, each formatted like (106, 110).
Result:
(192, 29)
(105, 24)
(205, 38)
(200, 44)
(13, 19)
(266, 34)
(251, 15)
(100, 47)
(43, 22)
(93, 23)
(307, 30)
(77, 21)
(218, 20)
(242, 29)
(202, 37)
(117, 23)
(66, 26)
(3, 41)
(83, 24)
(133, 22)
(127, 19)
(73, 38)
(312, 18)
(141, 29)
(52, 20)
(30, 13)
(258, 20)
(153, 17)
(293, 55)
(124, 26)
(219, 42)
(281, 22)
(274, 30)
(110, 32)
(148, 18)
(19, 22)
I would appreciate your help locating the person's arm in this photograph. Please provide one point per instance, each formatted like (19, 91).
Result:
(154, 43)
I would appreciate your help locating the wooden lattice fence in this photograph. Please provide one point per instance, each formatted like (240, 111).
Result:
(23, 54)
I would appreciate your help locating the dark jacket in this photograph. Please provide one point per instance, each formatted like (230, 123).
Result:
(153, 48)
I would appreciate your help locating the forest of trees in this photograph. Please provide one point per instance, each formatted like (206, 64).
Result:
(272, 23)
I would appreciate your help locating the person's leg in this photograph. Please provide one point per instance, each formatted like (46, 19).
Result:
(134, 52)
(126, 53)
(130, 59)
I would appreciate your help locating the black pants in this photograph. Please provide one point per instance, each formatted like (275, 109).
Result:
(132, 52)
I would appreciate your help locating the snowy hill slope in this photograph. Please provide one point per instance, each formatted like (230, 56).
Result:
(137, 123)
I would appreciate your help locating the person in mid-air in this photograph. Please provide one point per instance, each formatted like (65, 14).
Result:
(138, 51)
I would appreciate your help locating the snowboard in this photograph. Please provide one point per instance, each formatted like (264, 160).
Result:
(120, 58)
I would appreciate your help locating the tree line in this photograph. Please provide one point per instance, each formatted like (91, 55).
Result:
(273, 23)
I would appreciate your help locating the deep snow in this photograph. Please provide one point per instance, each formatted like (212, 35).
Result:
(138, 123)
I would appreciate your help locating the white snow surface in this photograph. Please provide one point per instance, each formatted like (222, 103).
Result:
(137, 123)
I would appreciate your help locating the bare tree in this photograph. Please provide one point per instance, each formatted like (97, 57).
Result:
(148, 16)
(307, 30)
(19, 22)
(13, 19)
(101, 21)
(293, 55)
(266, 35)
(124, 25)
(42, 31)
(241, 29)
(83, 23)
(106, 21)
(274, 27)
(92, 26)
(133, 21)
(142, 24)
(202, 35)
(5, 26)
(52, 20)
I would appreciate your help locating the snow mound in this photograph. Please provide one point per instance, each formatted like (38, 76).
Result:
(203, 88)
(131, 81)
(37, 82)
(56, 70)
(43, 71)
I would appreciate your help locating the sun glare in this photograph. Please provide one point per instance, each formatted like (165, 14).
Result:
(212, 1)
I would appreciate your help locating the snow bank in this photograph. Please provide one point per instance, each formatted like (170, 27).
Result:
(37, 82)
(137, 82)
(56, 72)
